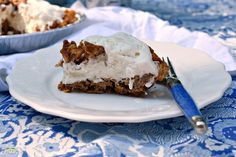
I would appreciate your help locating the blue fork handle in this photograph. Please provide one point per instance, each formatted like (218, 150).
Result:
(188, 107)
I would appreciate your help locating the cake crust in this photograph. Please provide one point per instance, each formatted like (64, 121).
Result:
(4, 2)
(110, 86)
(7, 29)
(84, 51)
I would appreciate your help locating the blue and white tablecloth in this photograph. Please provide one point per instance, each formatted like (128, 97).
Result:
(26, 132)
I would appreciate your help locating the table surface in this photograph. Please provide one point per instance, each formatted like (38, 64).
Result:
(24, 131)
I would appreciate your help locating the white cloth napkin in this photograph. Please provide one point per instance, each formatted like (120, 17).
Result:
(108, 20)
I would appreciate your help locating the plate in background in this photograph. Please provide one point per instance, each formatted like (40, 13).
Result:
(32, 41)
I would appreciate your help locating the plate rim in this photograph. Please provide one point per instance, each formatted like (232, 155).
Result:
(89, 118)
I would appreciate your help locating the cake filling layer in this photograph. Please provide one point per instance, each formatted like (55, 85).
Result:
(124, 57)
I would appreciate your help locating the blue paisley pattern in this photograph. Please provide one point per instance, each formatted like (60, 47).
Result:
(26, 132)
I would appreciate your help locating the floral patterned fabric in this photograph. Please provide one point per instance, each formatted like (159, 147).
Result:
(26, 132)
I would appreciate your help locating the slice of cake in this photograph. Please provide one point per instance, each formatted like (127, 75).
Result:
(28, 16)
(119, 63)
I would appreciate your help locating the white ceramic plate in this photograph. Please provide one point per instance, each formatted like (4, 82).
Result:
(32, 41)
(34, 80)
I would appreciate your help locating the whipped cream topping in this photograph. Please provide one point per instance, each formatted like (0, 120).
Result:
(125, 57)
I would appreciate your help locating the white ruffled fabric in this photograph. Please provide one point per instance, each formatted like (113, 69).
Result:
(108, 20)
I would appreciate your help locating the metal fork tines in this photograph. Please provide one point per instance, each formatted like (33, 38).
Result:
(184, 100)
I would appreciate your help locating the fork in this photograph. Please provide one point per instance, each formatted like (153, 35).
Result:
(184, 100)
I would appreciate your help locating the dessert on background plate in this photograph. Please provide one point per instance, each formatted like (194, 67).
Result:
(28, 16)
(119, 64)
